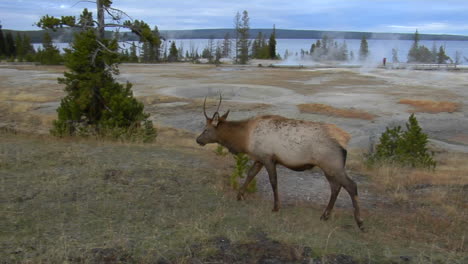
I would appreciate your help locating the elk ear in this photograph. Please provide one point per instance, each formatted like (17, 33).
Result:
(224, 117)
(215, 120)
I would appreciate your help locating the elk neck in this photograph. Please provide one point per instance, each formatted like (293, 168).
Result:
(234, 135)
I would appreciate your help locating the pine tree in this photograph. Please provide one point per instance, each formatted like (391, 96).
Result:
(95, 102)
(243, 41)
(133, 57)
(29, 51)
(2, 44)
(156, 45)
(363, 49)
(49, 54)
(406, 148)
(272, 44)
(145, 54)
(226, 48)
(10, 48)
(441, 56)
(20, 52)
(173, 52)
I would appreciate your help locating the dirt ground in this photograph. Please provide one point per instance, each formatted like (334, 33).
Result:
(173, 95)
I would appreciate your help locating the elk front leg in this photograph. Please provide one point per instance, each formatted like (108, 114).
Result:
(271, 169)
(253, 171)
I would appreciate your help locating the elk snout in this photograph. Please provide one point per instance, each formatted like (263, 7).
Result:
(200, 142)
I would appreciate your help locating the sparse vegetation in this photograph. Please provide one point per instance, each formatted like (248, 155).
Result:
(405, 148)
(421, 54)
(49, 54)
(329, 110)
(428, 106)
(327, 49)
(117, 204)
(240, 171)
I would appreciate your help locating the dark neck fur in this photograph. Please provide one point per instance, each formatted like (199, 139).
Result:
(233, 135)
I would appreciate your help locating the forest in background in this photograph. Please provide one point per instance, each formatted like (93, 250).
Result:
(66, 35)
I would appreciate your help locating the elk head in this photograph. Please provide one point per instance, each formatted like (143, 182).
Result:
(210, 132)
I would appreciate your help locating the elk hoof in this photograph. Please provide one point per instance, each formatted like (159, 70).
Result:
(325, 217)
(240, 197)
(275, 209)
(361, 226)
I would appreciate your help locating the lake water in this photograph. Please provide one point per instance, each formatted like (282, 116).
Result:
(378, 49)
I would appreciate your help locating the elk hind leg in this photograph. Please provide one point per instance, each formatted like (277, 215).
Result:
(271, 169)
(335, 190)
(352, 190)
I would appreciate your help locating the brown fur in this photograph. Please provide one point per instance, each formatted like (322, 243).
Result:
(296, 144)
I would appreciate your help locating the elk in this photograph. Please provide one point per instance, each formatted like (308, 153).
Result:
(295, 144)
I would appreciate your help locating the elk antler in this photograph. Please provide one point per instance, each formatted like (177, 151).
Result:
(204, 109)
(219, 105)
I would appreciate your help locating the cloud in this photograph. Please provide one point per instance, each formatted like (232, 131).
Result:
(431, 27)
(429, 16)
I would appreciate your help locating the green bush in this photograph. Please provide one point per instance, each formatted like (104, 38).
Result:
(239, 172)
(405, 148)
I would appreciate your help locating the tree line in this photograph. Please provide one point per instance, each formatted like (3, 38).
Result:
(240, 47)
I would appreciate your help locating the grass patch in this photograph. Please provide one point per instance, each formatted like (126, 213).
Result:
(86, 201)
(429, 106)
(338, 112)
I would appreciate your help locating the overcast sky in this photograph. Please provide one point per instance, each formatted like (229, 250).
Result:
(428, 16)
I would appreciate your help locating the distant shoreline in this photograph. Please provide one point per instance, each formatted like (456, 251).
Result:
(66, 35)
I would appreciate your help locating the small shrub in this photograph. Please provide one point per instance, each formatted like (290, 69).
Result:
(221, 151)
(240, 171)
(405, 148)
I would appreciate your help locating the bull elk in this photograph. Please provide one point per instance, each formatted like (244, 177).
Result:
(296, 144)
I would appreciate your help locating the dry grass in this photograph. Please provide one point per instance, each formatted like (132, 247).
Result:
(429, 106)
(432, 204)
(338, 112)
(86, 200)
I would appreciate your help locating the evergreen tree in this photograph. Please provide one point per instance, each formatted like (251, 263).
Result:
(49, 54)
(243, 45)
(419, 53)
(237, 25)
(406, 148)
(95, 103)
(434, 52)
(133, 57)
(29, 52)
(312, 48)
(20, 52)
(145, 52)
(156, 45)
(2, 44)
(151, 48)
(173, 52)
(272, 44)
(441, 56)
(218, 54)
(363, 49)
(10, 48)
(226, 48)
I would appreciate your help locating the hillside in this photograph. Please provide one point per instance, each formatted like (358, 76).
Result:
(65, 35)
